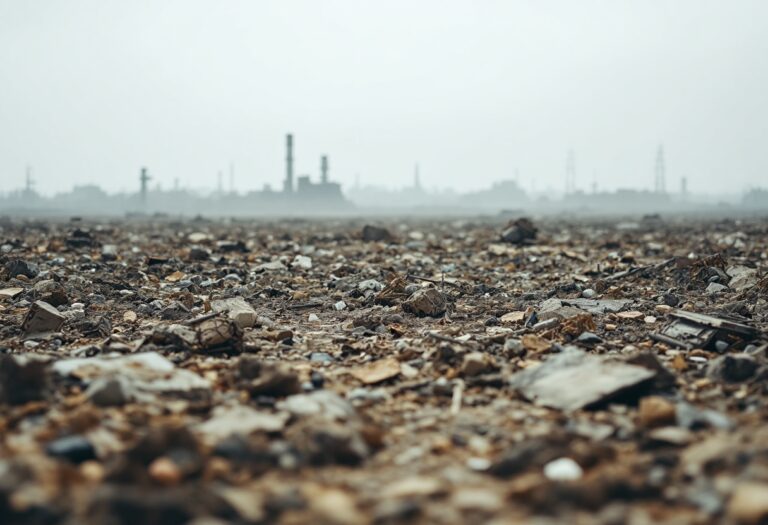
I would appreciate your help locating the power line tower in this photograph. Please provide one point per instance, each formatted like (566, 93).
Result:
(29, 181)
(144, 178)
(570, 172)
(660, 184)
(416, 177)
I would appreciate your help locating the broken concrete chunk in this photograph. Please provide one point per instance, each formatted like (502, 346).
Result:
(23, 379)
(426, 302)
(377, 371)
(144, 375)
(240, 419)
(51, 292)
(16, 267)
(742, 278)
(732, 368)
(237, 309)
(574, 380)
(42, 318)
(322, 403)
(520, 231)
(10, 293)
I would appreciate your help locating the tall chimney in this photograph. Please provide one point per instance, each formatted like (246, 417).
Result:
(288, 184)
(324, 169)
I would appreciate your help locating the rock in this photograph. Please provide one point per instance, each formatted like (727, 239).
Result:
(749, 503)
(588, 293)
(742, 278)
(16, 267)
(656, 411)
(715, 288)
(145, 375)
(109, 252)
(42, 318)
(563, 469)
(375, 234)
(236, 309)
(321, 403)
(732, 368)
(268, 378)
(165, 472)
(240, 419)
(513, 318)
(75, 449)
(339, 306)
(326, 442)
(520, 231)
(23, 378)
(588, 338)
(10, 293)
(377, 371)
(476, 363)
(109, 391)
(217, 335)
(573, 380)
(302, 262)
(426, 302)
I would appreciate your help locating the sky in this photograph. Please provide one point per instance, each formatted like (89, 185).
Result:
(472, 91)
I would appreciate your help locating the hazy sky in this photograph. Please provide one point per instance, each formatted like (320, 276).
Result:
(90, 90)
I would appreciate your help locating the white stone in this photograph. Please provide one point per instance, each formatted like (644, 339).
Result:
(563, 469)
(341, 305)
(237, 309)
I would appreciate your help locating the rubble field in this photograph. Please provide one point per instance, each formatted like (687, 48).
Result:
(544, 371)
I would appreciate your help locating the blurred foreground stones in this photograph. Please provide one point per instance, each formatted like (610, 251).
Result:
(338, 372)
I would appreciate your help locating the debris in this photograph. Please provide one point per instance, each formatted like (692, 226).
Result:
(692, 330)
(573, 380)
(240, 419)
(236, 309)
(10, 293)
(520, 231)
(42, 318)
(426, 302)
(733, 368)
(144, 375)
(377, 371)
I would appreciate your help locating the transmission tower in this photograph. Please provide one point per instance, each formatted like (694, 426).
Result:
(144, 178)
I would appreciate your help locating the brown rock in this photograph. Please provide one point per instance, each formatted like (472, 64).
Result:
(656, 411)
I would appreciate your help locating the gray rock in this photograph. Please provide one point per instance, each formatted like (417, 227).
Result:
(426, 302)
(714, 288)
(237, 309)
(42, 318)
(733, 368)
(573, 380)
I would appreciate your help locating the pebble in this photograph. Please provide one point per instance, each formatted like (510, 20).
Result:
(563, 469)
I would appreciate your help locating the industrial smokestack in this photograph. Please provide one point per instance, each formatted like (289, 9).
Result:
(288, 184)
(324, 169)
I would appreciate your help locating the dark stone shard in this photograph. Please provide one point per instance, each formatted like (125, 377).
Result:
(75, 449)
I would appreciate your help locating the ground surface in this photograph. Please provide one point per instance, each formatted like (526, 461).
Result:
(429, 373)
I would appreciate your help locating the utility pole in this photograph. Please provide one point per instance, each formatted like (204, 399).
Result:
(29, 182)
(416, 177)
(144, 178)
(660, 183)
(232, 178)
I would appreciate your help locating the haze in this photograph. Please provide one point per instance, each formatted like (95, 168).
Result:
(472, 91)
